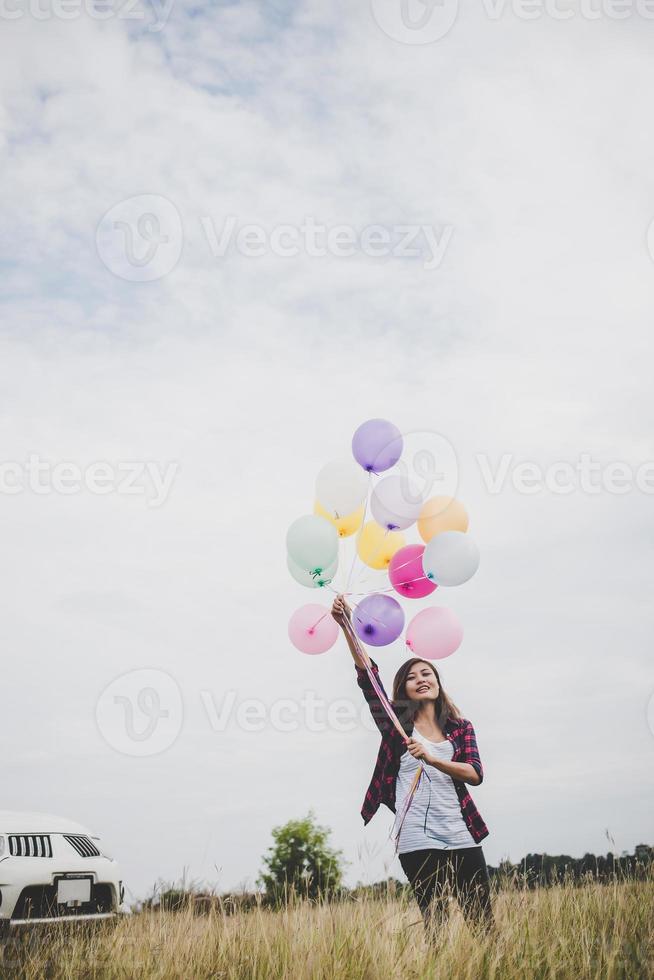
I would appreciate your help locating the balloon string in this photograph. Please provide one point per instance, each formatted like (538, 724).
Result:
(375, 553)
(359, 532)
(369, 592)
(388, 708)
(409, 561)
(373, 557)
(407, 803)
(356, 606)
(312, 628)
(341, 549)
(396, 568)
(366, 581)
(409, 581)
(368, 616)
(375, 683)
(362, 594)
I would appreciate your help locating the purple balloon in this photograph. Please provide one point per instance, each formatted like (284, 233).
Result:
(378, 620)
(377, 445)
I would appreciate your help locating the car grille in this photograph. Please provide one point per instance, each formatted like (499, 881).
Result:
(30, 845)
(40, 902)
(85, 847)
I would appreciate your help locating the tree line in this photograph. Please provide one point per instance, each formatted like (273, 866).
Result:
(536, 870)
(301, 864)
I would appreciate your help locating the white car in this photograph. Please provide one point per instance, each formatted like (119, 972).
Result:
(52, 868)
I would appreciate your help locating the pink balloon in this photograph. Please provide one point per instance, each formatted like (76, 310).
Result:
(407, 574)
(312, 629)
(434, 633)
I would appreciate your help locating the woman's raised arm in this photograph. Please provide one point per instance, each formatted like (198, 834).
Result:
(343, 614)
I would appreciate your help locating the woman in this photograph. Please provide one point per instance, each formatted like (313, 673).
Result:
(439, 835)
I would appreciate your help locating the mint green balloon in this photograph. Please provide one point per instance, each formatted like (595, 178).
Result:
(305, 578)
(312, 543)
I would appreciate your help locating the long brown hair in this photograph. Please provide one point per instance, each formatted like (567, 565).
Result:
(406, 708)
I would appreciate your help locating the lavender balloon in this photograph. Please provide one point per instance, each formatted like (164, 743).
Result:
(377, 445)
(378, 620)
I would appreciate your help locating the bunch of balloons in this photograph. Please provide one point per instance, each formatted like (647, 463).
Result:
(353, 500)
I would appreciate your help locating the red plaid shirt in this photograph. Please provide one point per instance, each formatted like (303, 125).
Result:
(382, 785)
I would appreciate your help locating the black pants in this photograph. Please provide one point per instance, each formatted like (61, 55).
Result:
(435, 874)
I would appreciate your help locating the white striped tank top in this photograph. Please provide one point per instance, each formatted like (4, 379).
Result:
(434, 819)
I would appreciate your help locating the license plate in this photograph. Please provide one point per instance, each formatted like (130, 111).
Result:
(73, 890)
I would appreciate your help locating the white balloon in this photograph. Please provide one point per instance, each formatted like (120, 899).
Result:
(312, 542)
(341, 487)
(450, 558)
(396, 503)
(307, 579)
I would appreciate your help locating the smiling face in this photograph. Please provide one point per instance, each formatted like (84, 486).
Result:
(421, 683)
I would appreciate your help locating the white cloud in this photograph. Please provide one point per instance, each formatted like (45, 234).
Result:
(531, 338)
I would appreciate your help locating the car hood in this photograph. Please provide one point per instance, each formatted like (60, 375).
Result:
(29, 822)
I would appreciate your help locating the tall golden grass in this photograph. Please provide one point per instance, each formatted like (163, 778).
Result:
(593, 930)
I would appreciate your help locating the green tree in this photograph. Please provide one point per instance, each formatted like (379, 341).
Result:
(301, 860)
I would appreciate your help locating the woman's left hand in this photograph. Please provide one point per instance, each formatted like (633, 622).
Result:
(418, 751)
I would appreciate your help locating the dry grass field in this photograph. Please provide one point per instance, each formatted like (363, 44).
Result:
(594, 930)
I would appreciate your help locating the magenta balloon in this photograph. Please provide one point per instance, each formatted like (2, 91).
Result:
(434, 633)
(377, 445)
(378, 620)
(407, 574)
(312, 629)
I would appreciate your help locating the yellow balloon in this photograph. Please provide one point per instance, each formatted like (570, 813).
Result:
(376, 545)
(442, 514)
(344, 525)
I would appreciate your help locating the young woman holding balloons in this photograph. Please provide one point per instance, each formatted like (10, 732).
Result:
(428, 752)
(423, 766)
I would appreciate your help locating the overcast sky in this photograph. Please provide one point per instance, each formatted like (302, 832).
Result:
(519, 154)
